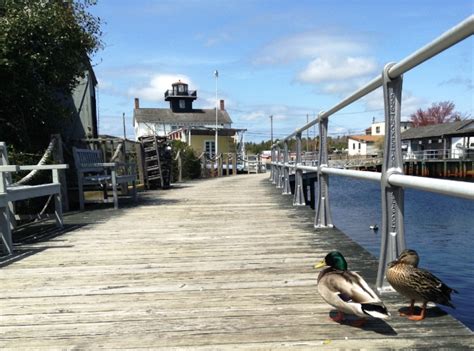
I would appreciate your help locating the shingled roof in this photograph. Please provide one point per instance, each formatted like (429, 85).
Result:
(166, 115)
(366, 138)
(437, 130)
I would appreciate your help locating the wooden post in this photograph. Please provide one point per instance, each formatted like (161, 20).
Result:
(140, 163)
(180, 167)
(58, 157)
(234, 163)
(219, 166)
(227, 172)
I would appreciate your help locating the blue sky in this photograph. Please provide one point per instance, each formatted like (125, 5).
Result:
(283, 58)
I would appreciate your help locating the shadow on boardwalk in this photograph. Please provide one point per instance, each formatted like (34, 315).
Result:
(218, 264)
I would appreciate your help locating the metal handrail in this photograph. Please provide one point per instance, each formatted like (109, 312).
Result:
(392, 180)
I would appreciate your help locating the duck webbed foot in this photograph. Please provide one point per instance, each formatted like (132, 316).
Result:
(410, 310)
(420, 316)
(339, 317)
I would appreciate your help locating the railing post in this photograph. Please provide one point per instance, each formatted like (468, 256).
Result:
(275, 166)
(276, 174)
(286, 172)
(298, 200)
(279, 182)
(393, 237)
(323, 218)
(272, 167)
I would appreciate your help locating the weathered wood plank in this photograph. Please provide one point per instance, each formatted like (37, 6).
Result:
(223, 263)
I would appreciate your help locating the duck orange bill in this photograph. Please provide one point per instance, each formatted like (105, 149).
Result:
(320, 264)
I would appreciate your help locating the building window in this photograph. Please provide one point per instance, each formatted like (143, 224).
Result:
(377, 130)
(182, 104)
(181, 88)
(359, 146)
(353, 146)
(210, 148)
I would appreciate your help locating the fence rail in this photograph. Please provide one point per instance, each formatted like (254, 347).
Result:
(392, 179)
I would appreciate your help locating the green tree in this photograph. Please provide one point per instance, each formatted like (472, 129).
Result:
(44, 47)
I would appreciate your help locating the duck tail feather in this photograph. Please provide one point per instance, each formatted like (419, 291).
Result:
(374, 310)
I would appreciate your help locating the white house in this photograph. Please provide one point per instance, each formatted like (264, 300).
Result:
(363, 145)
(366, 145)
(181, 114)
(378, 128)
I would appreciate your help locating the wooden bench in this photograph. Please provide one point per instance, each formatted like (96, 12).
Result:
(10, 193)
(92, 170)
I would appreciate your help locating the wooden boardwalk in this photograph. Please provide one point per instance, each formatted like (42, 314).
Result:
(216, 264)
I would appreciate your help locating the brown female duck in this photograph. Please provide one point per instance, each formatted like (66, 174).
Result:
(417, 284)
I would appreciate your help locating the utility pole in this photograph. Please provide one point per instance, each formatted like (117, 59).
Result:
(124, 138)
(216, 74)
(271, 128)
(314, 133)
(124, 130)
(307, 134)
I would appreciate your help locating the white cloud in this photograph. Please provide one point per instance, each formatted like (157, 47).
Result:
(217, 39)
(157, 86)
(464, 82)
(410, 102)
(337, 68)
(309, 45)
(254, 116)
(337, 62)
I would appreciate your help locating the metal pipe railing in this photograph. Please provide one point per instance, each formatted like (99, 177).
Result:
(392, 180)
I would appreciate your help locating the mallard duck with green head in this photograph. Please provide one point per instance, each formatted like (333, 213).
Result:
(347, 291)
(417, 284)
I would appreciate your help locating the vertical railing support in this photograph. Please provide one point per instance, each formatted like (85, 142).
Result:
(393, 237)
(286, 172)
(272, 168)
(275, 166)
(298, 200)
(279, 169)
(323, 218)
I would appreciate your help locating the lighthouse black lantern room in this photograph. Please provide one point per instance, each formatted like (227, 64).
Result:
(180, 98)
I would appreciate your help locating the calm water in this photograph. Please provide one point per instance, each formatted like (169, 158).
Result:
(439, 228)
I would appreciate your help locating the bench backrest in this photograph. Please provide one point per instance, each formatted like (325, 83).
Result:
(3, 154)
(84, 158)
(4, 160)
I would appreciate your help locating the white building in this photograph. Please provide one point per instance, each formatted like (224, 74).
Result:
(181, 114)
(370, 143)
(363, 145)
(378, 128)
(440, 141)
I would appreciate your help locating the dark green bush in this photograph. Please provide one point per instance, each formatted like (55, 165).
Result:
(190, 163)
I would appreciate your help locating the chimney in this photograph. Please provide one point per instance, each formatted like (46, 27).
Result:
(137, 103)
(222, 105)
